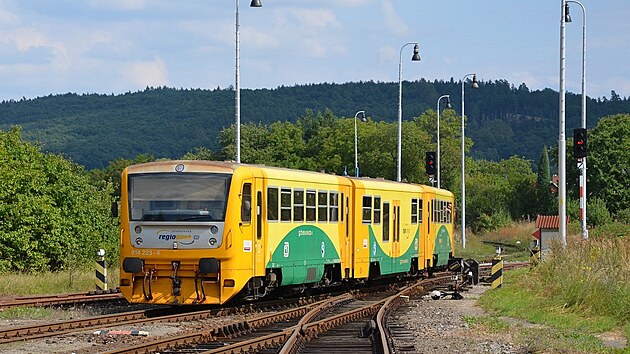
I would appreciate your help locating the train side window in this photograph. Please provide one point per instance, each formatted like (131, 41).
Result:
(311, 207)
(272, 204)
(385, 222)
(334, 206)
(436, 217)
(367, 209)
(420, 211)
(322, 206)
(298, 205)
(414, 210)
(246, 203)
(285, 204)
(449, 212)
(377, 209)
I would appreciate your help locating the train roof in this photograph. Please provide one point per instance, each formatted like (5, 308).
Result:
(281, 173)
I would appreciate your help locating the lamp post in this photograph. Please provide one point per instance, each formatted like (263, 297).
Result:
(562, 182)
(416, 57)
(582, 165)
(361, 115)
(474, 85)
(237, 89)
(448, 105)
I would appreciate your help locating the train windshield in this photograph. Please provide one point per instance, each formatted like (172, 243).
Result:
(178, 197)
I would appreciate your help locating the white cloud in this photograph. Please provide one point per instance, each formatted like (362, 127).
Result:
(149, 73)
(392, 21)
(7, 17)
(119, 4)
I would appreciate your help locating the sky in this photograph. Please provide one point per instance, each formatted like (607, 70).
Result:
(116, 46)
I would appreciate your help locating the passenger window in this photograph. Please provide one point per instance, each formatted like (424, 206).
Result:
(367, 209)
(311, 208)
(334, 206)
(414, 211)
(377, 210)
(298, 205)
(285, 204)
(246, 203)
(322, 206)
(385, 222)
(272, 204)
(420, 211)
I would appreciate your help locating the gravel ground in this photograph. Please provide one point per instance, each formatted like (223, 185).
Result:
(439, 326)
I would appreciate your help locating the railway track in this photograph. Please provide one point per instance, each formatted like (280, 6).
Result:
(141, 317)
(61, 299)
(300, 329)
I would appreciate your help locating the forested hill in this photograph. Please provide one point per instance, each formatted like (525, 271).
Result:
(94, 129)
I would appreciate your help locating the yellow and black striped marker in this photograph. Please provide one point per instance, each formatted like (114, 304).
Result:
(496, 275)
(101, 271)
(534, 256)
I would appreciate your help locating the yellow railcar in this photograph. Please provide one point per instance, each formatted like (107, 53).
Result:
(206, 232)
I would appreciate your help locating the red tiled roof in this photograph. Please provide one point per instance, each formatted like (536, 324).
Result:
(548, 221)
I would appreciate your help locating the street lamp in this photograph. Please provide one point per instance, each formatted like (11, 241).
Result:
(237, 94)
(582, 165)
(474, 85)
(361, 115)
(562, 180)
(416, 57)
(448, 106)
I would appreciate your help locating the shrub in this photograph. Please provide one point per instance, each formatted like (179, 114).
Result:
(596, 212)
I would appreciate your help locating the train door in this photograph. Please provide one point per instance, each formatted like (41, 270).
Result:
(346, 253)
(395, 250)
(259, 238)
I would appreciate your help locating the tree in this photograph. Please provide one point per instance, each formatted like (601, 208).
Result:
(50, 212)
(608, 156)
(543, 195)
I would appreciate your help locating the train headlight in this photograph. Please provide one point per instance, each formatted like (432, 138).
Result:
(214, 229)
(212, 241)
(138, 229)
(139, 241)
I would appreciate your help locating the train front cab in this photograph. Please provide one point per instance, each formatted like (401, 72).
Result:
(172, 250)
(438, 240)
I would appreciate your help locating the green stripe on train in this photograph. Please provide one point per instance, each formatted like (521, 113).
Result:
(302, 254)
(442, 246)
(389, 265)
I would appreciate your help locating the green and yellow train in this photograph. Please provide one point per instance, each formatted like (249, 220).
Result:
(204, 232)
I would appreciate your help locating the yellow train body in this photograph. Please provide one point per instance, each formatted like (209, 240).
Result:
(206, 232)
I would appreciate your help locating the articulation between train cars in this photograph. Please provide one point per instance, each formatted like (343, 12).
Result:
(202, 232)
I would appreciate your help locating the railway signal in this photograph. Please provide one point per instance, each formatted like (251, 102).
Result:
(579, 143)
(429, 163)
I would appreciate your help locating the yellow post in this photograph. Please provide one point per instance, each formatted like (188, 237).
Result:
(101, 271)
(496, 275)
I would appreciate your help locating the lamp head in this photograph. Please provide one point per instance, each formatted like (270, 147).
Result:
(475, 83)
(416, 53)
(448, 102)
(567, 16)
(361, 116)
(255, 3)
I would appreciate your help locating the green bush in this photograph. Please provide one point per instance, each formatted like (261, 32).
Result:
(623, 216)
(490, 222)
(597, 213)
(53, 218)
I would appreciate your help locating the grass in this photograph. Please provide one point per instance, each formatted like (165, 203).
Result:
(513, 239)
(53, 283)
(576, 294)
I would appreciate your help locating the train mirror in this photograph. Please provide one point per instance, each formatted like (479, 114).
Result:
(115, 209)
